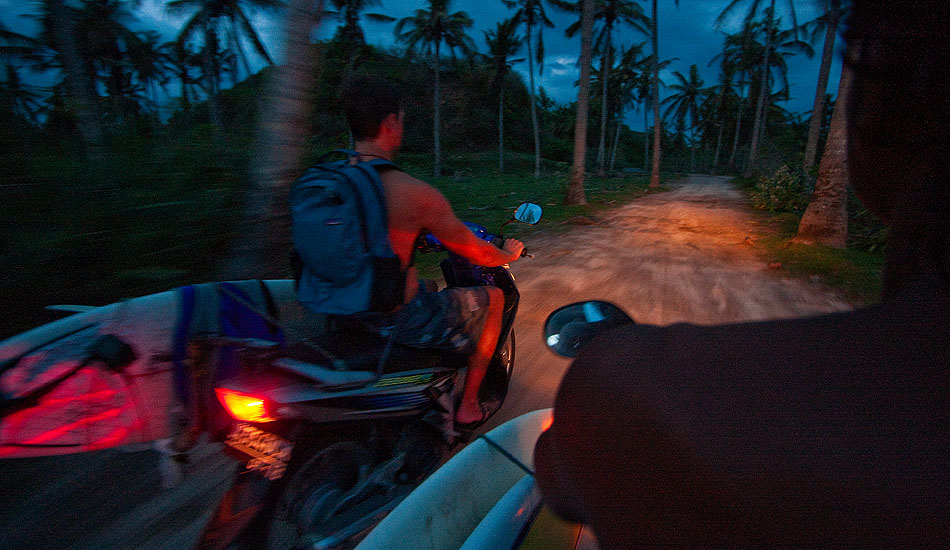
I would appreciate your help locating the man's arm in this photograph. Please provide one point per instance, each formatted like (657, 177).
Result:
(439, 219)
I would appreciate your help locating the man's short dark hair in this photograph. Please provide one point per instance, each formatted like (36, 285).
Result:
(368, 100)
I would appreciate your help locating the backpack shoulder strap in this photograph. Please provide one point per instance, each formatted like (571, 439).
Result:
(371, 191)
(379, 163)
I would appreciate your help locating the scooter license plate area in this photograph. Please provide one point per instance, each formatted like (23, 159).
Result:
(266, 453)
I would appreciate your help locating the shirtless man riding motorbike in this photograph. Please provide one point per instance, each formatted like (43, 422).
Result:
(464, 320)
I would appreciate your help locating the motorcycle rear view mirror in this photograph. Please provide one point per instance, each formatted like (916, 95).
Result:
(570, 328)
(528, 212)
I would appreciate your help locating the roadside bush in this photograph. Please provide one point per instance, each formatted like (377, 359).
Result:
(865, 231)
(785, 191)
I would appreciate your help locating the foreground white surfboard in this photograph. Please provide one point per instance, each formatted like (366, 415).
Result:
(483, 498)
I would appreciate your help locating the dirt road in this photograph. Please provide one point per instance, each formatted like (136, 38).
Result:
(687, 255)
(683, 255)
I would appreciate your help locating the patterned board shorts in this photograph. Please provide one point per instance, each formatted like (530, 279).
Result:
(451, 319)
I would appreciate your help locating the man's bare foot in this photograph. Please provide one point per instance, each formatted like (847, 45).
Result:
(469, 414)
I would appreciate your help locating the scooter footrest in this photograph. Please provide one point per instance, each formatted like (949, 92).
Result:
(324, 376)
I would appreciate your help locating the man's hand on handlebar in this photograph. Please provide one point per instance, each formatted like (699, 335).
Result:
(514, 247)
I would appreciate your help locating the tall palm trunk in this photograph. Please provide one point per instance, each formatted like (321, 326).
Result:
(722, 126)
(827, 53)
(79, 82)
(646, 142)
(262, 246)
(763, 92)
(605, 63)
(826, 218)
(657, 124)
(613, 151)
(501, 127)
(692, 140)
(575, 188)
(534, 111)
(436, 123)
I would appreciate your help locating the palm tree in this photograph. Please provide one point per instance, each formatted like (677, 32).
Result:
(825, 220)
(612, 13)
(106, 45)
(575, 187)
(151, 62)
(15, 97)
(213, 13)
(689, 94)
(828, 22)
(644, 92)
(727, 71)
(531, 14)
(747, 53)
(263, 241)
(737, 55)
(784, 44)
(430, 28)
(628, 73)
(770, 30)
(657, 122)
(183, 61)
(59, 34)
(207, 24)
(349, 31)
(503, 42)
(18, 99)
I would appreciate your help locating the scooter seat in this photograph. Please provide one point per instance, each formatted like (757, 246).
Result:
(354, 350)
(331, 379)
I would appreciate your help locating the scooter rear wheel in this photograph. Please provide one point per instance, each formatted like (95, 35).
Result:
(310, 504)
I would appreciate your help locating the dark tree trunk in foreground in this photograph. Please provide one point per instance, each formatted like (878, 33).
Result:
(575, 188)
(657, 121)
(826, 219)
(827, 53)
(262, 246)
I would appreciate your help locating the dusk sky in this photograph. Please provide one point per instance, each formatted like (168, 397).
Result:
(687, 32)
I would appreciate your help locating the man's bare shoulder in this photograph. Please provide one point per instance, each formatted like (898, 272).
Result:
(411, 189)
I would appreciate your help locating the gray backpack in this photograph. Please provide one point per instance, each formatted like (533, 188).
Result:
(340, 232)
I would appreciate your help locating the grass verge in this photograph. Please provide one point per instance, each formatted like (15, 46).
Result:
(853, 273)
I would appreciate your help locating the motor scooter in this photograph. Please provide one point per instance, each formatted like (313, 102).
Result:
(334, 433)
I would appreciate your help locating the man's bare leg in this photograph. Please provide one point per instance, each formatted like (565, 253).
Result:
(469, 410)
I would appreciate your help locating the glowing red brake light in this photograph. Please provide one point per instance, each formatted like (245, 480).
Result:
(243, 406)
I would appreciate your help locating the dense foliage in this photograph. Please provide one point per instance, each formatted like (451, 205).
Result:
(784, 191)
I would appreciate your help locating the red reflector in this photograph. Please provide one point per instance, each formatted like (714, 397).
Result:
(243, 406)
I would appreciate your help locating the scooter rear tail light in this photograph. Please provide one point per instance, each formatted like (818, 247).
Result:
(244, 406)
